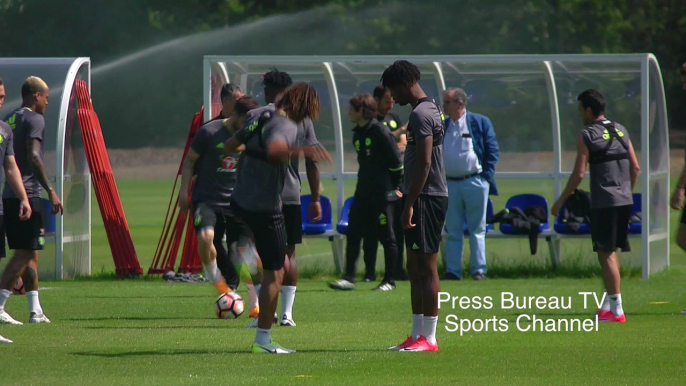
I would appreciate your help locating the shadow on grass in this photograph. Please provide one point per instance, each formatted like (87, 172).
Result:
(185, 327)
(575, 264)
(591, 314)
(139, 318)
(151, 296)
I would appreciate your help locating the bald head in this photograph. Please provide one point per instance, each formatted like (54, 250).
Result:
(457, 95)
(35, 93)
(454, 102)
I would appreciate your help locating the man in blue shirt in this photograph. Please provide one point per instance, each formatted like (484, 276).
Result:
(470, 154)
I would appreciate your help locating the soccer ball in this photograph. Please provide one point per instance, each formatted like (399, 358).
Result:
(18, 288)
(229, 306)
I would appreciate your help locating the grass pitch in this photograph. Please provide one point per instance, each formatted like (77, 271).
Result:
(145, 332)
(142, 332)
(145, 203)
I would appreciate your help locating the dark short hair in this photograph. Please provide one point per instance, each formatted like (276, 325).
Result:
(594, 100)
(228, 89)
(276, 79)
(245, 104)
(364, 103)
(1, 82)
(300, 101)
(400, 73)
(379, 91)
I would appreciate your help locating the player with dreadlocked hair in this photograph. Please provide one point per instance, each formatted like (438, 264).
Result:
(426, 200)
(258, 195)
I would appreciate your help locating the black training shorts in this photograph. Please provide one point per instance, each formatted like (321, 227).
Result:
(292, 215)
(25, 235)
(610, 228)
(429, 218)
(270, 235)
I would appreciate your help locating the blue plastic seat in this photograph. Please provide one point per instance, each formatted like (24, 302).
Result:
(321, 226)
(489, 214)
(49, 219)
(636, 228)
(561, 227)
(524, 201)
(342, 226)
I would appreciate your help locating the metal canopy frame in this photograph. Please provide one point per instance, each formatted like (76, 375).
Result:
(644, 63)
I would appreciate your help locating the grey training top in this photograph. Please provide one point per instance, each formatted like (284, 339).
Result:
(306, 137)
(216, 171)
(610, 180)
(26, 125)
(260, 182)
(425, 121)
(6, 150)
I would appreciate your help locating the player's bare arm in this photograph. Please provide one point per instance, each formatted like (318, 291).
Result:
(36, 163)
(576, 177)
(233, 145)
(677, 201)
(313, 178)
(419, 176)
(315, 153)
(278, 151)
(186, 177)
(401, 132)
(402, 143)
(635, 168)
(14, 180)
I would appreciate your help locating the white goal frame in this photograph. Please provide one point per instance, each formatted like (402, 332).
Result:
(60, 75)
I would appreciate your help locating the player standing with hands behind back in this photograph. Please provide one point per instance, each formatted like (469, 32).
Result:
(426, 201)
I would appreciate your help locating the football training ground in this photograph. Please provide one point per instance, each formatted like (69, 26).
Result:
(143, 331)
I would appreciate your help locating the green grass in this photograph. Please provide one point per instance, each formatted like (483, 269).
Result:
(141, 332)
(145, 203)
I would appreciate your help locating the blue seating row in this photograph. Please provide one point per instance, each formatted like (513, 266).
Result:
(521, 200)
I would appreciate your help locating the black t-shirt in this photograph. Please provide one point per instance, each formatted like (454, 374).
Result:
(379, 159)
(392, 121)
(216, 171)
(26, 125)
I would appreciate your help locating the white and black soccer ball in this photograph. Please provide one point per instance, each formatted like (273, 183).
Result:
(229, 305)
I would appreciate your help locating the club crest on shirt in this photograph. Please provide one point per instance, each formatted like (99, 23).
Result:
(228, 165)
